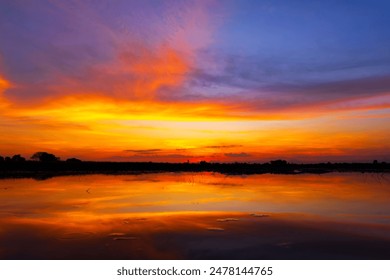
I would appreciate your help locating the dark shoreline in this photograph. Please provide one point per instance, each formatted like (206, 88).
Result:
(43, 170)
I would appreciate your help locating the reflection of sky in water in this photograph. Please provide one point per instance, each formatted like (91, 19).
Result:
(196, 216)
(346, 195)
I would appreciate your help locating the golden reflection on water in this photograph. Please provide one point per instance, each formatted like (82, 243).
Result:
(102, 195)
(162, 215)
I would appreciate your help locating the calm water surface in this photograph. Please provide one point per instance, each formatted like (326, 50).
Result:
(196, 216)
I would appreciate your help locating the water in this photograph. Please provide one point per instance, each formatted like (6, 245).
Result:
(196, 216)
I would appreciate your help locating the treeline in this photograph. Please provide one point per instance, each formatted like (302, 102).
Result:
(43, 165)
(38, 156)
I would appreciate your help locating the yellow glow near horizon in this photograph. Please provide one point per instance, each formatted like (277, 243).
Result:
(96, 127)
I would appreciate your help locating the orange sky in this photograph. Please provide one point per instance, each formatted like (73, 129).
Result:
(97, 127)
(159, 103)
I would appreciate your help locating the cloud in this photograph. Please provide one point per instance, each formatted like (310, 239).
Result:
(130, 50)
(326, 95)
(250, 71)
(307, 98)
(155, 158)
(272, 84)
(223, 146)
(237, 155)
(142, 52)
(146, 151)
(4, 85)
(209, 147)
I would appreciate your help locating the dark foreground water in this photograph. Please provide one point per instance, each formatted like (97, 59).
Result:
(196, 216)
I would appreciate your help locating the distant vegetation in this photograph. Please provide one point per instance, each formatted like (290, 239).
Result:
(43, 165)
(44, 157)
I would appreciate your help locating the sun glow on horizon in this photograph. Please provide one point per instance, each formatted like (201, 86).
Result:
(192, 84)
(112, 129)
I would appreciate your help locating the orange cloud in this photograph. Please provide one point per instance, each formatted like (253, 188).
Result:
(4, 85)
(152, 71)
(104, 127)
(94, 124)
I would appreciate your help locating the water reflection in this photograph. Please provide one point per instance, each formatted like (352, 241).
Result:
(196, 215)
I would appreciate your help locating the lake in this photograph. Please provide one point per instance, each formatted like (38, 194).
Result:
(196, 216)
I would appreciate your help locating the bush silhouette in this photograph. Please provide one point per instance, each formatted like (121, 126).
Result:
(44, 157)
(18, 158)
(278, 162)
(73, 160)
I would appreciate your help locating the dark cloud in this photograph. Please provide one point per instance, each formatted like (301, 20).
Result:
(295, 96)
(345, 88)
(281, 91)
(257, 71)
(211, 147)
(146, 151)
(237, 155)
(151, 157)
(278, 82)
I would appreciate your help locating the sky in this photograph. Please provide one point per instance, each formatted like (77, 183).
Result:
(178, 80)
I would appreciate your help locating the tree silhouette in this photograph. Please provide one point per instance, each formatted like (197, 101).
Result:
(18, 158)
(278, 162)
(44, 157)
(73, 160)
(1, 159)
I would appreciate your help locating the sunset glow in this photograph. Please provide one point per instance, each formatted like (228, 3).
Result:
(188, 81)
